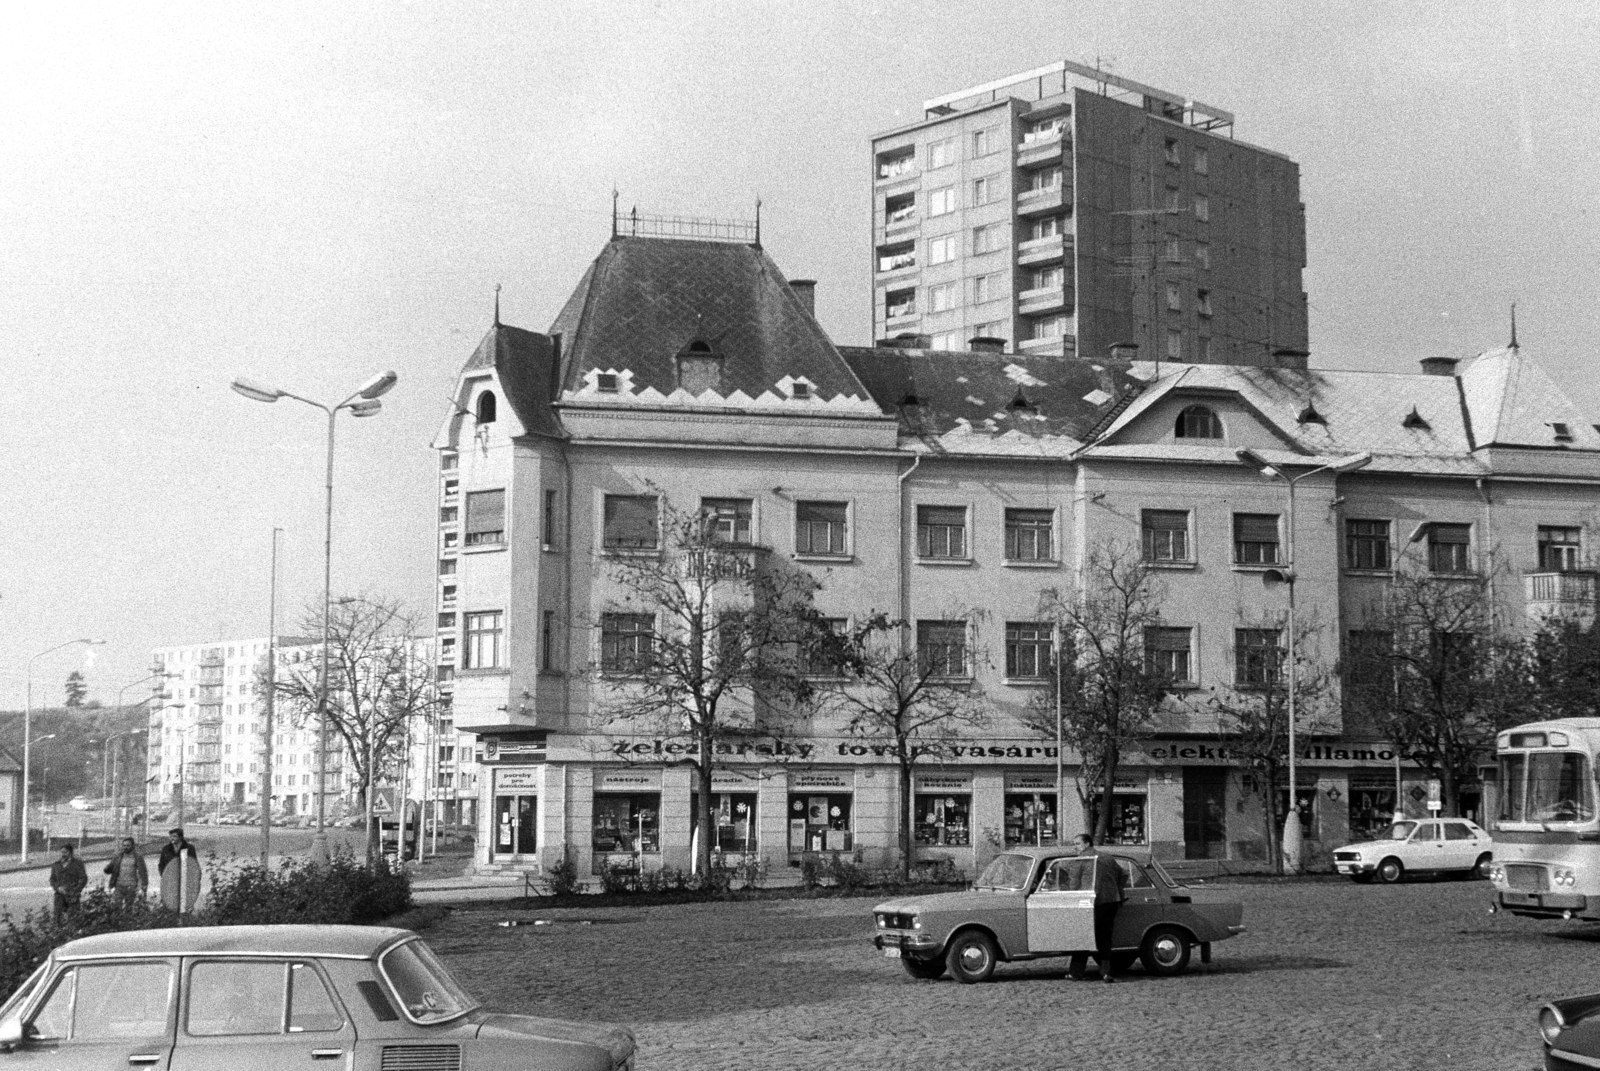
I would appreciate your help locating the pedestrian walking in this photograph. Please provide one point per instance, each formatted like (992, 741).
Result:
(179, 871)
(67, 879)
(1108, 896)
(130, 878)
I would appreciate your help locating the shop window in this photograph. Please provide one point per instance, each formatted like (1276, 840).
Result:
(1560, 549)
(1030, 818)
(1366, 544)
(943, 820)
(630, 522)
(1166, 535)
(1255, 538)
(1028, 647)
(1127, 825)
(820, 823)
(1306, 795)
(733, 821)
(627, 823)
(1448, 545)
(941, 532)
(1371, 808)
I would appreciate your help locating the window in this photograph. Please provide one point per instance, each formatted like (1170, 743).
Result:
(1258, 660)
(728, 519)
(991, 329)
(106, 1002)
(733, 820)
(1174, 345)
(1166, 535)
(897, 303)
(484, 632)
(1447, 548)
(942, 202)
(820, 527)
(1202, 302)
(629, 523)
(943, 297)
(1369, 668)
(943, 819)
(1046, 227)
(989, 238)
(1174, 298)
(1043, 130)
(311, 1007)
(984, 190)
(1366, 544)
(1560, 549)
(626, 642)
(1174, 203)
(941, 153)
(1166, 654)
(1029, 535)
(1202, 208)
(1028, 647)
(1198, 422)
(447, 620)
(942, 648)
(1048, 327)
(486, 518)
(1047, 278)
(1202, 162)
(448, 459)
(486, 407)
(942, 250)
(447, 567)
(986, 141)
(1173, 251)
(897, 162)
(1172, 152)
(985, 288)
(1255, 538)
(902, 208)
(630, 823)
(950, 341)
(1047, 179)
(451, 539)
(550, 518)
(941, 532)
(235, 998)
(547, 642)
(607, 383)
(1202, 254)
(897, 255)
(822, 655)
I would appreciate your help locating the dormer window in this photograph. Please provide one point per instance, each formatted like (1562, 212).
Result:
(1309, 415)
(1198, 422)
(1563, 432)
(486, 405)
(800, 391)
(606, 382)
(1415, 421)
(699, 368)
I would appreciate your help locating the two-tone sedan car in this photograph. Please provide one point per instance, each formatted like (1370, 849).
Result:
(1425, 846)
(1031, 903)
(269, 998)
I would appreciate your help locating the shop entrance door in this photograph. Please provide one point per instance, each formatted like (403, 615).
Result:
(1205, 813)
(514, 825)
(1061, 909)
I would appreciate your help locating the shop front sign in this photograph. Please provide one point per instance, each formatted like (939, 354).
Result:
(942, 782)
(627, 780)
(514, 779)
(735, 780)
(1030, 782)
(799, 779)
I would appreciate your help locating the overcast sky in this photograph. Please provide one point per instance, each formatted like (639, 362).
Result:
(308, 194)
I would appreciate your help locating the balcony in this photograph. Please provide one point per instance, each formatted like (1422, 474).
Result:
(1043, 299)
(1037, 251)
(1040, 202)
(1566, 594)
(1047, 347)
(1042, 151)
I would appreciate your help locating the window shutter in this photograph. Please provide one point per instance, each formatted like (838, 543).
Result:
(486, 511)
(1256, 527)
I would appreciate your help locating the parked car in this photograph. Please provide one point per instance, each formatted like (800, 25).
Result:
(80, 803)
(253, 998)
(1428, 845)
(1036, 902)
(1571, 1031)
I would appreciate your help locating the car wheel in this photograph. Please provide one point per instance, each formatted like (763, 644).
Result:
(971, 957)
(1391, 871)
(926, 969)
(1480, 869)
(1165, 951)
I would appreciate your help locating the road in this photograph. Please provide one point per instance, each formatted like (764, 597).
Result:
(1330, 975)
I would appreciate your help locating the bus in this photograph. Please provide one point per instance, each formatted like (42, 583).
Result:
(1546, 830)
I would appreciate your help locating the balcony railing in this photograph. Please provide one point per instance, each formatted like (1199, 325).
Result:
(1569, 589)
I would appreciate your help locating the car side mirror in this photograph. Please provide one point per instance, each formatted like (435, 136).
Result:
(10, 1033)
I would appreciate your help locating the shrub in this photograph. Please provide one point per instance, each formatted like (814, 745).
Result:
(564, 877)
(342, 892)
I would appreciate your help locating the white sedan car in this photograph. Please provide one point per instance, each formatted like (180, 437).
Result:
(1429, 846)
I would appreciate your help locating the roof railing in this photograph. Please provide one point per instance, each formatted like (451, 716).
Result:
(633, 225)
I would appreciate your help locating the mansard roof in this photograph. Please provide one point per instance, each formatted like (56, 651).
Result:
(524, 365)
(645, 302)
(1511, 401)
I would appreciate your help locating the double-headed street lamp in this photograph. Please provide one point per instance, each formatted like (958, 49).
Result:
(363, 403)
(27, 732)
(1291, 822)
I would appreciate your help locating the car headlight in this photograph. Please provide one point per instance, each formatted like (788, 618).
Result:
(1564, 875)
(1550, 1024)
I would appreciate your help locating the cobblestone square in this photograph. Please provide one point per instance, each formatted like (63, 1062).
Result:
(1328, 975)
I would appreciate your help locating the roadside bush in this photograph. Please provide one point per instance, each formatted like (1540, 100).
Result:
(25, 941)
(342, 892)
(564, 877)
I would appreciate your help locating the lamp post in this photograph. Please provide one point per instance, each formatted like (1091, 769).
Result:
(1291, 822)
(363, 403)
(106, 777)
(27, 732)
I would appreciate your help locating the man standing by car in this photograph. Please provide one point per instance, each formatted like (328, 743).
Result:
(130, 878)
(1107, 899)
(67, 879)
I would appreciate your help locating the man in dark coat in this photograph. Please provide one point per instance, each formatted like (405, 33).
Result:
(67, 879)
(172, 892)
(130, 878)
(1108, 896)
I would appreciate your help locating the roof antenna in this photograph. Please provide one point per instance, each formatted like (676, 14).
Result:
(1513, 325)
(758, 221)
(497, 304)
(614, 196)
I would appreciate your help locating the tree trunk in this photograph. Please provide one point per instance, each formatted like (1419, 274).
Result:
(702, 776)
(1103, 825)
(1269, 806)
(906, 803)
(1449, 790)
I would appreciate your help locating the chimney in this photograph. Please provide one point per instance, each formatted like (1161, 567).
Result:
(906, 340)
(987, 344)
(1439, 366)
(1124, 351)
(806, 291)
(1284, 357)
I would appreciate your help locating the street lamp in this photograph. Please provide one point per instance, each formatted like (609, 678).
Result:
(363, 403)
(27, 732)
(1291, 822)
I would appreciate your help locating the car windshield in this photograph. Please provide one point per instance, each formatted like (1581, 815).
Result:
(422, 984)
(1398, 831)
(1007, 871)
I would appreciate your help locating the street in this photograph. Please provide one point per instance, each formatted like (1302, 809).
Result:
(1328, 975)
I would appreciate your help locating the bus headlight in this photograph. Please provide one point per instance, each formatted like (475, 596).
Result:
(1497, 873)
(1564, 875)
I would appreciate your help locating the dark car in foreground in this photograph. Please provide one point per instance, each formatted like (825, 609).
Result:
(1031, 903)
(1571, 1029)
(267, 998)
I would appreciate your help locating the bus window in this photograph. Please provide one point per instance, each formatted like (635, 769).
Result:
(1512, 769)
(1559, 788)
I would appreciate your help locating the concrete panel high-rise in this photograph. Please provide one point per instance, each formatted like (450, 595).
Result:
(1068, 211)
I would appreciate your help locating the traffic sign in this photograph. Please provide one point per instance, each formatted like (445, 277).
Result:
(382, 804)
(1435, 795)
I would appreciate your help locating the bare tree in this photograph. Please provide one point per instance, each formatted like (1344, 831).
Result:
(1105, 691)
(703, 646)
(1253, 712)
(377, 682)
(1438, 674)
(909, 686)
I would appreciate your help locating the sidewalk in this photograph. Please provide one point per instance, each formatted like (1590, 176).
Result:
(459, 887)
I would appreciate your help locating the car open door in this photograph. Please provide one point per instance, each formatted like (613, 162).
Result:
(1061, 906)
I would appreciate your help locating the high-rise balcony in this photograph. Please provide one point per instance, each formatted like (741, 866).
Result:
(1036, 251)
(1041, 202)
(1042, 151)
(1042, 299)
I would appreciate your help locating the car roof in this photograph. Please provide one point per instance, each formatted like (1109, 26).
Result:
(341, 942)
(1056, 851)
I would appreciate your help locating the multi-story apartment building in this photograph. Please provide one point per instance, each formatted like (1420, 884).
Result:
(1067, 211)
(691, 375)
(206, 742)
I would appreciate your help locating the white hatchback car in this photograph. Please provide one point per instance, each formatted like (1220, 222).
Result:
(1428, 845)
